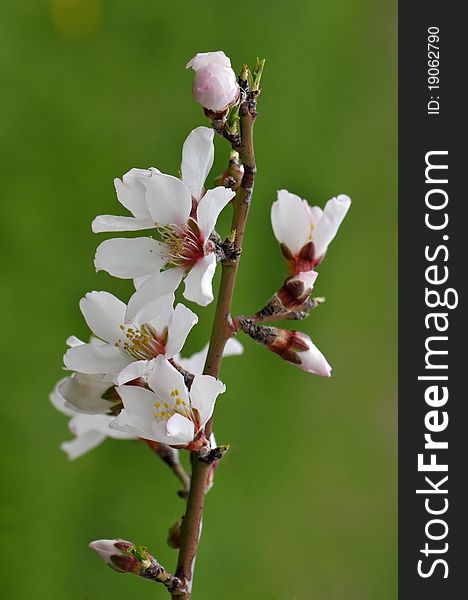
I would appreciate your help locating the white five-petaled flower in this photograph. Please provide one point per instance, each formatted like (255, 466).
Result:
(90, 430)
(184, 217)
(168, 412)
(148, 327)
(214, 85)
(304, 231)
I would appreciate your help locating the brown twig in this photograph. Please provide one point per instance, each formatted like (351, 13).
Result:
(221, 332)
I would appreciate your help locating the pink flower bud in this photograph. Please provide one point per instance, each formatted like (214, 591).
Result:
(214, 85)
(115, 554)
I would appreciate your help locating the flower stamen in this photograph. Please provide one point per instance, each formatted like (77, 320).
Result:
(183, 246)
(141, 343)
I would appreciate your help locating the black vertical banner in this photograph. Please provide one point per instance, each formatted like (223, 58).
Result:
(433, 355)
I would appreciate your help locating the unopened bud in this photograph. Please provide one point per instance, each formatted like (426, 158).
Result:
(297, 347)
(125, 557)
(297, 289)
(117, 554)
(173, 536)
(214, 85)
(294, 346)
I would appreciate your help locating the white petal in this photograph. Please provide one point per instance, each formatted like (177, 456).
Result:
(203, 393)
(58, 400)
(125, 425)
(82, 444)
(202, 59)
(84, 393)
(197, 159)
(145, 304)
(73, 341)
(104, 223)
(104, 314)
(313, 361)
(315, 213)
(129, 257)
(198, 283)
(81, 424)
(209, 208)
(182, 321)
(89, 358)
(291, 224)
(137, 417)
(179, 430)
(196, 363)
(131, 191)
(233, 348)
(333, 214)
(135, 370)
(169, 200)
(164, 379)
(139, 281)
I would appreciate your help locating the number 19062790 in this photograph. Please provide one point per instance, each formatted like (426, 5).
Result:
(433, 58)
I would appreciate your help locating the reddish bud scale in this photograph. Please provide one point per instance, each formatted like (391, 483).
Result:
(125, 563)
(287, 344)
(293, 293)
(302, 262)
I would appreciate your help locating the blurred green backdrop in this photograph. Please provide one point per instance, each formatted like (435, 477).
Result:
(304, 506)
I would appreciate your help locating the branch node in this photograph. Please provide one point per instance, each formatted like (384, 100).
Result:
(213, 455)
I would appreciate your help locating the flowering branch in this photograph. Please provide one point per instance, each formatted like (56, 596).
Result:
(130, 380)
(221, 332)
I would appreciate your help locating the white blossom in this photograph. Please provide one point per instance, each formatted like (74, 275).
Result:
(149, 326)
(185, 219)
(168, 412)
(304, 231)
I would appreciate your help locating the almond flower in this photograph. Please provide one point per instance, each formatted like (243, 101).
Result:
(184, 218)
(304, 231)
(168, 412)
(89, 430)
(214, 84)
(124, 334)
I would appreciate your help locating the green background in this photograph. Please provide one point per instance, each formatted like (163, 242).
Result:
(304, 506)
